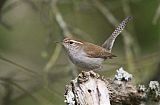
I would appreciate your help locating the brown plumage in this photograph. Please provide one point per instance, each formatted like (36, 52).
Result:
(95, 51)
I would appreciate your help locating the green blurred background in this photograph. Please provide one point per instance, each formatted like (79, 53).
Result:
(34, 70)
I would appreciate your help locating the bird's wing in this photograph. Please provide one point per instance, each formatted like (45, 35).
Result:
(95, 51)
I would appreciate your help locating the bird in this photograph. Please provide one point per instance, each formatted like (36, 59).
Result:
(89, 56)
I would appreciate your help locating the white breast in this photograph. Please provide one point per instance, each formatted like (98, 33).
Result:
(81, 59)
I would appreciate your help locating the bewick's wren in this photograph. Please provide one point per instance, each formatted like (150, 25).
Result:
(90, 56)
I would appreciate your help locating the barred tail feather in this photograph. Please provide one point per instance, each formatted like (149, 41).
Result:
(108, 44)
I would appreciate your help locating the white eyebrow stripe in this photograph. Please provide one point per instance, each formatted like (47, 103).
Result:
(76, 41)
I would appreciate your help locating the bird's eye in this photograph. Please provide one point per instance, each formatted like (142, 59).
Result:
(70, 42)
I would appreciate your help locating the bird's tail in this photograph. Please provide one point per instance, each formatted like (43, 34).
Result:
(108, 44)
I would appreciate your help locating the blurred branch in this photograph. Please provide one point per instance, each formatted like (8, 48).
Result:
(127, 12)
(53, 58)
(65, 33)
(128, 40)
(9, 7)
(62, 24)
(140, 61)
(40, 100)
(19, 66)
(8, 91)
(52, 4)
(2, 2)
(31, 4)
(126, 7)
(80, 33)
(4, 24)
(157, 15)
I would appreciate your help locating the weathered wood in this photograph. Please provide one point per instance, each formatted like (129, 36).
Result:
(89, 88)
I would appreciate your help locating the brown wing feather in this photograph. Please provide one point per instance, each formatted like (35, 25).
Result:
(96, 51)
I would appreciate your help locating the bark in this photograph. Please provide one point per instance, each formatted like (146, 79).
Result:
(89, 88)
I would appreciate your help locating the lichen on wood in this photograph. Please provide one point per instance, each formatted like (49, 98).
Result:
(89, 88)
